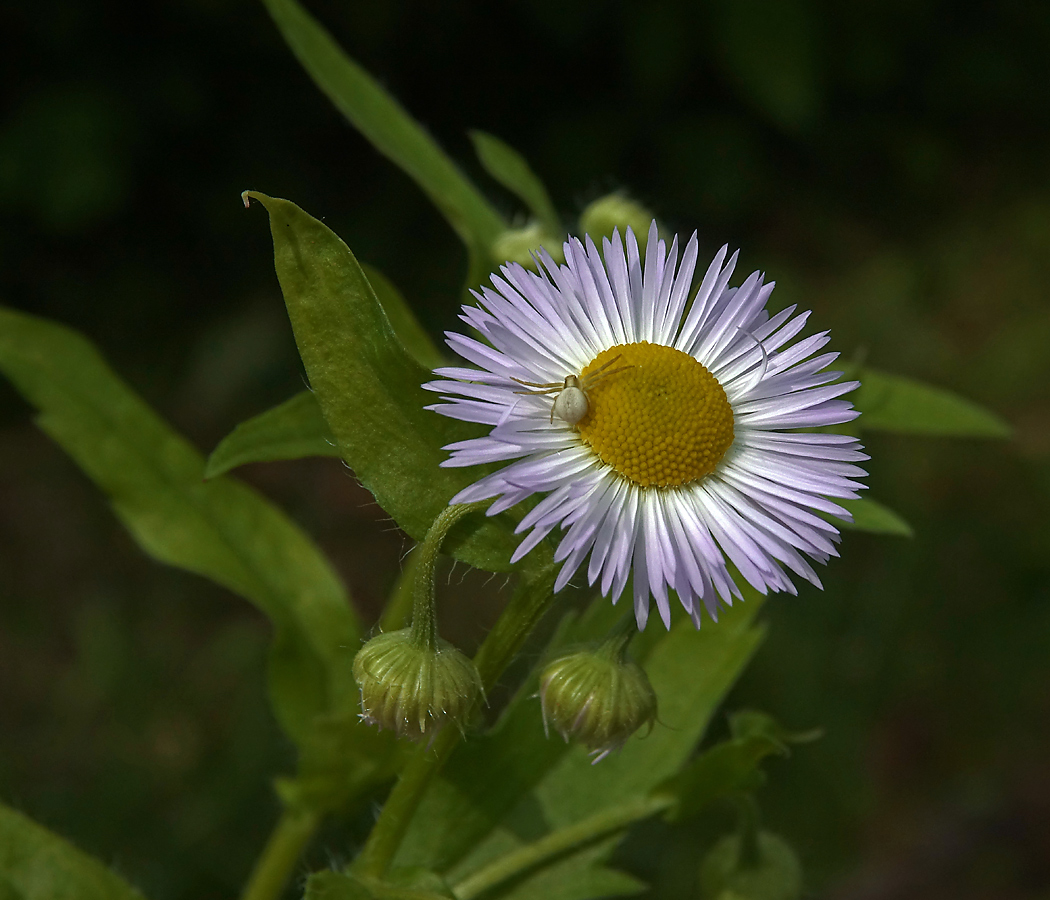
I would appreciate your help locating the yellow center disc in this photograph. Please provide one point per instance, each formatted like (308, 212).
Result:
(655, 414)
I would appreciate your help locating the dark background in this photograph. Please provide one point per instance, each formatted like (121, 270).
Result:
(886, 162)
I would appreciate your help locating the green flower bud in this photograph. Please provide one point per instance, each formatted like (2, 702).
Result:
(414, 689)
(606, 214)
(597, 697)
(773, 874)
(518, 244)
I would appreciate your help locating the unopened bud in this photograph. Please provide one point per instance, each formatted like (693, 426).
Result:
(517, 244)
(774, 873)
(603, 216)
(597, 697)
(412, 689)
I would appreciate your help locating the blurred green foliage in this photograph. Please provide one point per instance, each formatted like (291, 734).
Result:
(885, 162)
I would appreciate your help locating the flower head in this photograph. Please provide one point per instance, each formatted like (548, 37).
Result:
(412, 688)
(663, 433)
(597, 697)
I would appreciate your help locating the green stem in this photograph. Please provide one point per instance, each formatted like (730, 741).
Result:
(532, 599)
(614, 647)
(424, 616)
(750, 856)
(558, 843)
(289, 838)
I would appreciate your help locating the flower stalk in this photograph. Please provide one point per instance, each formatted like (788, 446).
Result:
(291, 834)
(532, 599)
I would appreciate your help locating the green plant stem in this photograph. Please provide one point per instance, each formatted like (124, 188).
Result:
(559, 842)
(532, 599)
(614, 647)
(289, 838)
(424, 614)
(750, 856)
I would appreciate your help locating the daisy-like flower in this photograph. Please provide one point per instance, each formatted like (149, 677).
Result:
(664, 434)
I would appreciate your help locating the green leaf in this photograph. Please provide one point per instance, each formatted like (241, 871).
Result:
(292, 430)
(511, 169)
(732, 766)
(384, 122)
(297, 428)
(370, 389)
(725, 769)
(906, 406)
(403, 321)
(220, 529)
(745, 723)
(401, 884)
(36, 864)
(869, 515)
(8, 891)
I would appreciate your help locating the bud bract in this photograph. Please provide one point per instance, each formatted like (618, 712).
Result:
(411, 688)
(597, 697)
(600, 218)
(774, 874)
(518, 244)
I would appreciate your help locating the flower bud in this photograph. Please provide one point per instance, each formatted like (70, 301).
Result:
(518, 244)
(603, 216)
(412, 689)
(597, 697)
(774, 873)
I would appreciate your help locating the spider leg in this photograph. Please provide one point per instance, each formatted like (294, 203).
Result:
(552, 390)
(538, 384)
(594, 377)
(605, 365)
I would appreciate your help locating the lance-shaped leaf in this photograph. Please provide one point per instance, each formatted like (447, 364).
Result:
(220, 529)
(370, 390)
(874, 517)
(511, 169)
(297, 428)
(403, 321)
(906, 406)
(36, 864)
(384, 122)
(292, 430)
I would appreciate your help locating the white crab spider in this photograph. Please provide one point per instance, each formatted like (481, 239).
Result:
(570, 403)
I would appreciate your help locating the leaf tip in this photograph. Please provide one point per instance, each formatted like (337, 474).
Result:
(248, 196)
(212, 468)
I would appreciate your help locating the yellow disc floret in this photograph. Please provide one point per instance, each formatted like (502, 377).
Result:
(660, 418)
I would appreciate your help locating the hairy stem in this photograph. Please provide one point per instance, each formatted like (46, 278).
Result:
(531, 600)
(424, 614)
(291, 834)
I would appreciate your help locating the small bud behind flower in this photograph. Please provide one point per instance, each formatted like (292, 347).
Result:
(597, 697)
(412, 689)
(518, 244)
(600, 218)
(774, 873)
